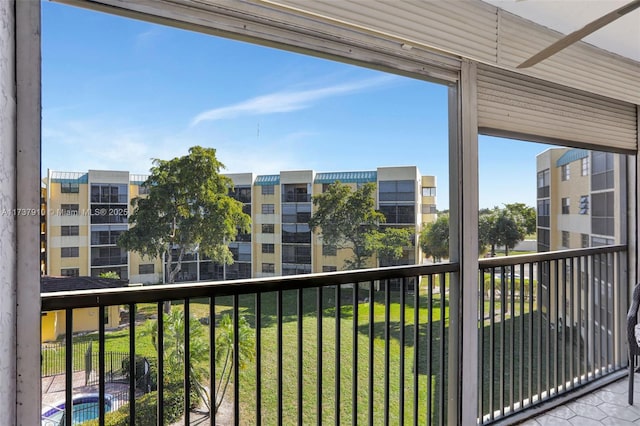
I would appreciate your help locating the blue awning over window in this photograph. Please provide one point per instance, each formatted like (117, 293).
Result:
(347, 177)
(69, 177)
(571, 156)
(268, 180)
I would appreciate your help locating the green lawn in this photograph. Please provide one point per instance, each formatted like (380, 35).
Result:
(427, 368)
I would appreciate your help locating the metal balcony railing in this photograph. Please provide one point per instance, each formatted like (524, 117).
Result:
(363, 347)
(550, 323)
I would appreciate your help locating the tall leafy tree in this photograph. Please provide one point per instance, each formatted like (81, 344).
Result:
(524, 215)
(434, 238)
(347, 219)
(187, 208)
(501, 228)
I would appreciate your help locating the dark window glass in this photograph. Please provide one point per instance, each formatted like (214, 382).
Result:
(602, 213)
(71, 230)
(327, 268)
(268, 189)
(296, 233)
(268, 228)
(268, 209)
(70, 272)
(146, 269)
(268, 248)
(69, 252)
(70, 188)
(397, 190)
(268, 268)
(103, 256)
(69, 209)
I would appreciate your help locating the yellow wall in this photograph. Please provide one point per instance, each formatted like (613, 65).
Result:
(84, 320)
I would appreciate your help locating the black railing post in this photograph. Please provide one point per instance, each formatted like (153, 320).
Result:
(68, 390)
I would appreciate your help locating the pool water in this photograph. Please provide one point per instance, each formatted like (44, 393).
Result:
(84, 409)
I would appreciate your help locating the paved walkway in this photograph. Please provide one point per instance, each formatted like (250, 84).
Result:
(53, 388)
(606, 406)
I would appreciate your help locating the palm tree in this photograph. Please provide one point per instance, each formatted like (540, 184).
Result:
(174, 351)
(225, 348)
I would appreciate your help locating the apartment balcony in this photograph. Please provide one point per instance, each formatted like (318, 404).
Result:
(345, 347)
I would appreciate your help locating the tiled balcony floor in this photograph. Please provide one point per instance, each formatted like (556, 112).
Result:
(605, 406)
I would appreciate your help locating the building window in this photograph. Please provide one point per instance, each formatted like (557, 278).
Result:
(328, 250)
(70, 272)
(397, 190)
(69, 209)
(105, 237)
(601, 171)
(268, 228)
(296, 193)
(268, 189)
(602, 213)
(543, 183)
(268, 248)
(429, 191)
(69, 252)
(584, 166)
(565, 205)
(268, 268)
(329, 269)
(429, 209)
(584, 240)
(144, 269)
(109, 193)
(398, 213)
(268, 208)
(296, 213)
(70, 231)
(543, 213)
(70, 188)
(241, 193)
(584, 204)
(565, 172)
(565, 239)
(143, 190)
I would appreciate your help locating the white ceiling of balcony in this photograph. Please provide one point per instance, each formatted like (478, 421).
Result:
(565, 16)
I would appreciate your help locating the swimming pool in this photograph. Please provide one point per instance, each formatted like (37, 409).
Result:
(85, 407)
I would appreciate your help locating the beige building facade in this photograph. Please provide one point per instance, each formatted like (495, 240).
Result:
(87, 211)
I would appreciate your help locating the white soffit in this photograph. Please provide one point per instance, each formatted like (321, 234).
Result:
(480, 31)
(621, 36)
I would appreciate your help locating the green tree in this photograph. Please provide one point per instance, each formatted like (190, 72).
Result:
(224, 352)
(187, 208)
(487, 236)
(524, 215)
(434, 238)
(391, 243)
(347, 219)
(509, 230)
(174, 351)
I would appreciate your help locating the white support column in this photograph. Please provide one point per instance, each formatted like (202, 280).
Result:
(28, 185)
(463, 157)
(8, 224)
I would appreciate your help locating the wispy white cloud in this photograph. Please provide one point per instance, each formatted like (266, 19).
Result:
(147, 38)
(287, 101)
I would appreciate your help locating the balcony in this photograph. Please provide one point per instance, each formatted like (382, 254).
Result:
(365, 346)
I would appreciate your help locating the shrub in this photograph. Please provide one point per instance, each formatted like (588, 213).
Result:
(146, 410)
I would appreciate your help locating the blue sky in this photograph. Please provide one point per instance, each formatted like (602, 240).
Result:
(119, 92)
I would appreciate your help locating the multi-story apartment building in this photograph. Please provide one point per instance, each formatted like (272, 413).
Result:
(88, 211)
(579, 198)
(580, 204)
